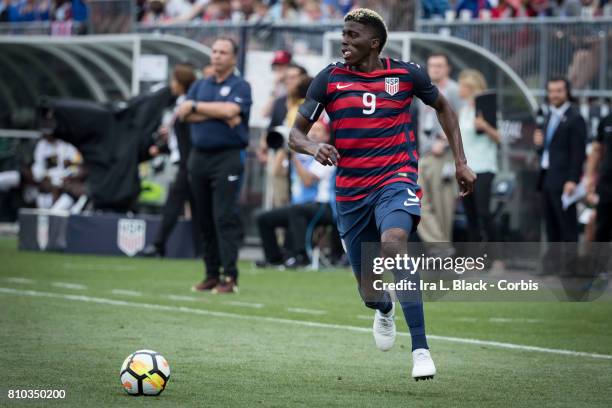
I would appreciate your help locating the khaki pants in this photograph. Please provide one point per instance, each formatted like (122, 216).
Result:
(439, 197)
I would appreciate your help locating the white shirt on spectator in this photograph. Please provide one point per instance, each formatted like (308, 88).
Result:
(50, 158)
(324, 174)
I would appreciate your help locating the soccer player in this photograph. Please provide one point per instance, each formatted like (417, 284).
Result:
(368, 99)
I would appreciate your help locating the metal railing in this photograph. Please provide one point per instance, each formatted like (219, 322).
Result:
(536, 49)
(56, 28)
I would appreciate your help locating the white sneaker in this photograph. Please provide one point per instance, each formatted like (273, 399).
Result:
(423, 367)
(384, 329)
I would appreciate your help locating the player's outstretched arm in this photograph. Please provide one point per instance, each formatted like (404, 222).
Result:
(448, 119)
(324, 153)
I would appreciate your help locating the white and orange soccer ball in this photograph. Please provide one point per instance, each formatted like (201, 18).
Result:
(144, 372)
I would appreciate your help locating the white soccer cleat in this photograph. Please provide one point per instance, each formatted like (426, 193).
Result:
(384, 329)
(423, 367)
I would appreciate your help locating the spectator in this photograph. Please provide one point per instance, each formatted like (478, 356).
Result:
(285, 10)
(311, 11)
(319, 210)
(280, 64)
(436, 165)
(474, 7)
(5, 9)
(480, 141)
(567, 8)
(218, 10)
(337, 9)
(177, 8)
(600, 188)
(433, 8)
(591, 8)
(177, 138)
(303, 189)
(29, 10)
(261, 13)
(54, 160)
(538, 8)
(560, 144)
(294, 77)
(508, 9)
(155, 12)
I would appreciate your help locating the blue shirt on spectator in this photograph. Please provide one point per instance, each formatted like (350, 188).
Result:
(474, 6)
(213, 134)
(434, 8)
(301, 194)
(79, 10)
(17, 12)
(343, 6)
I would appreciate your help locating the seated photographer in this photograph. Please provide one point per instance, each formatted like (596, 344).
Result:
(303, 217)
(310, 185)
(57, 172)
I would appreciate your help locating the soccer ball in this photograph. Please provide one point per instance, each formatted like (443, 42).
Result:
(144, 372)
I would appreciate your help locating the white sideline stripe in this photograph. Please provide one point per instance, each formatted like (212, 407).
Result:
(126, 292)
(75, 286)
(204, 312)
(244, 304)
(25, 281)
(365, 317)
(467, 319)
(306, 311)
(95, 267)
(512, 320)
(182, 297)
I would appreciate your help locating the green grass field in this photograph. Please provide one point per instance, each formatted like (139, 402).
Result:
(287, 339)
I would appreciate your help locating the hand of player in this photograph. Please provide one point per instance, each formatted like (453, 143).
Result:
(538, 138)
(184, 109)
(327, 155)
(466, 178)
(569, 187)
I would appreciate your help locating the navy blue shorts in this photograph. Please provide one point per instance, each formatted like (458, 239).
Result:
(396, 205)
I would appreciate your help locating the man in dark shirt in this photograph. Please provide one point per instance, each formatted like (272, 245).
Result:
(601, 152)
(218, 109)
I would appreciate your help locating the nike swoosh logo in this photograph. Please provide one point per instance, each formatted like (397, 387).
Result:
(232, 178)
(338, 86)
(412, 200)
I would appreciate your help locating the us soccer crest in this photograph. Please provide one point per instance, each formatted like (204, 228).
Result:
(392, 85)
(42, 231)
(131, 235)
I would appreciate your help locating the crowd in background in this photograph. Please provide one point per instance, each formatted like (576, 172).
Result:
(42, 10)
(299, 11)
(311, 11)
(507, 9)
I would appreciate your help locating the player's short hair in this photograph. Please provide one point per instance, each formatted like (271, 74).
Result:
(372, 19)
